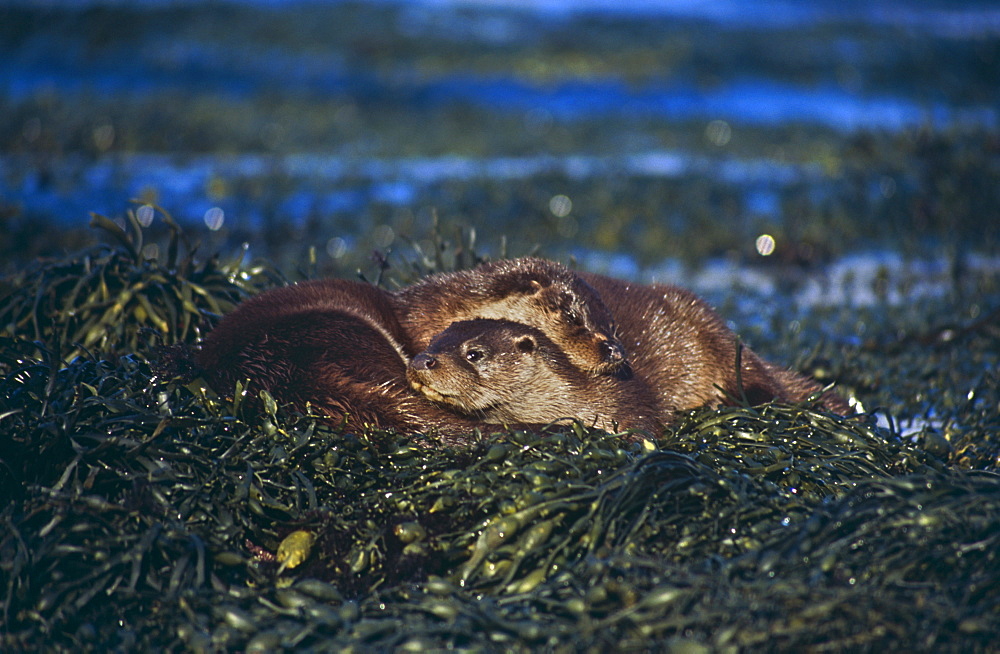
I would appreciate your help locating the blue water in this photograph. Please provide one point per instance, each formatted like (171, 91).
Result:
(957, 18)
(72, 66)
(329, 184)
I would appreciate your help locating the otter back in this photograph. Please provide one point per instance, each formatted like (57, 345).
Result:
(686, 353)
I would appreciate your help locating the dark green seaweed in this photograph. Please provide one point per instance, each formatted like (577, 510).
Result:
(140, 511)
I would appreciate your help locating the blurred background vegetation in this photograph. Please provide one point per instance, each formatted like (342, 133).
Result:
(629, 138)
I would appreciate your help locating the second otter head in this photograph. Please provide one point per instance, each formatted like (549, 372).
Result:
(555, 300)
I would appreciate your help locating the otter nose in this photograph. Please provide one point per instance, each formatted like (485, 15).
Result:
(612, 351)
(423, 361)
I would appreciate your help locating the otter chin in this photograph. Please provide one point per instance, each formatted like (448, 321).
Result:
(427, 390)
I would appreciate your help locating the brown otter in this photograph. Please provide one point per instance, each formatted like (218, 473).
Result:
(539, 293)
(685, 352)
(504, 372)
(797, 387)
(333, 343)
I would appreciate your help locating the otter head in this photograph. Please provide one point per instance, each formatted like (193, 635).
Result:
(553, 299)
(496, 370)
(582, 325)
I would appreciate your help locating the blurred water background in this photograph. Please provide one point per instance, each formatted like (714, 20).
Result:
(701, 142)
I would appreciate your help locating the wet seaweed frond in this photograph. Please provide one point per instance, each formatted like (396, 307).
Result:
(126, 298)
(800, 450)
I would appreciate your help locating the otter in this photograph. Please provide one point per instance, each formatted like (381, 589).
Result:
(539, 293)
(504, 372)
(333, 343)
(797, 387)
(687, 355)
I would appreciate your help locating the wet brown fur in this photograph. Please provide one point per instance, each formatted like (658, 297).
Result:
(334, 343)
(344, 347)
(685, 352)
(539, 293)
(505, 372)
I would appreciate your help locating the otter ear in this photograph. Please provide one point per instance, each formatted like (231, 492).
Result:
(526, 344)
(516, 284)
(529, 287)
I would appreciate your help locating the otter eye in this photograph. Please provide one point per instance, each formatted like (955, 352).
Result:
(526, 345)
(473, 355)
(573, 317)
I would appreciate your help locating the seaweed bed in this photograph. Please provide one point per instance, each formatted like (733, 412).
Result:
(139, 513)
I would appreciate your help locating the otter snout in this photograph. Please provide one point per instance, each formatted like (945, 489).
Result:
(423, 361)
